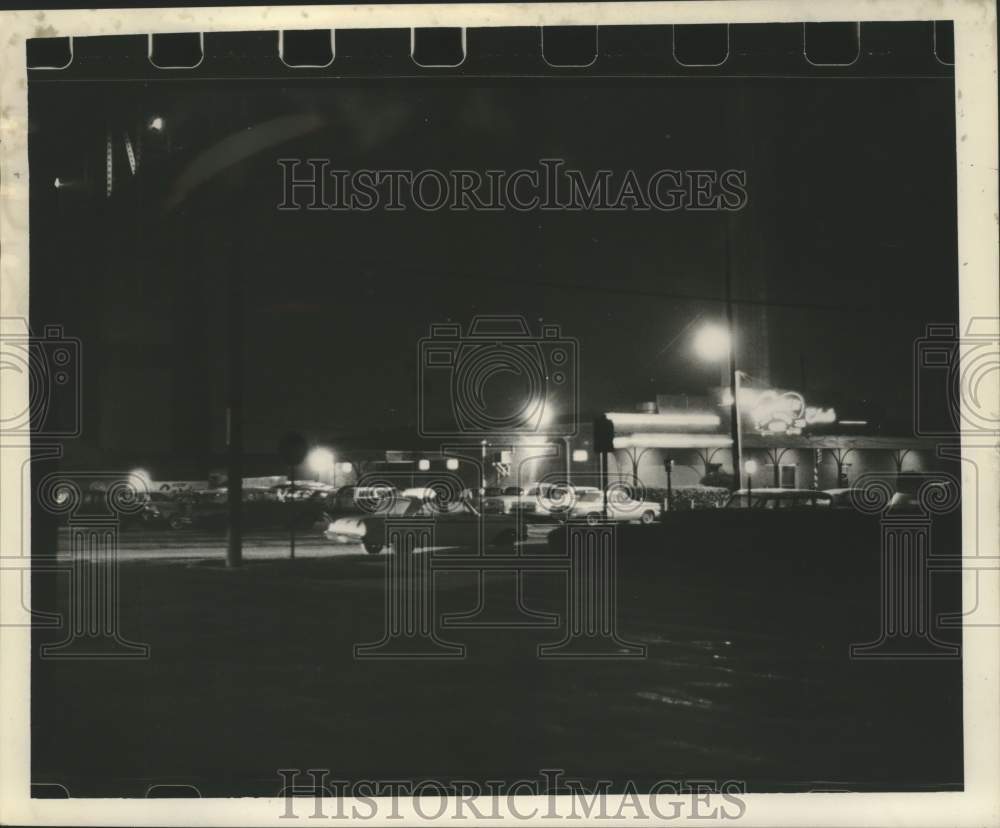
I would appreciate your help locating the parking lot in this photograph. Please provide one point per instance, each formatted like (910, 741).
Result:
(745, 676)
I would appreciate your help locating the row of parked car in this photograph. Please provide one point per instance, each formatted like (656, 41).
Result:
(209, 507)
(359, 513)
(502, 516)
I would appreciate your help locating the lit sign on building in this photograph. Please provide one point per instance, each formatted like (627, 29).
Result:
(782, 412)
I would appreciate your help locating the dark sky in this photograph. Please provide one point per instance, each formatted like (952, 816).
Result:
(848, 239)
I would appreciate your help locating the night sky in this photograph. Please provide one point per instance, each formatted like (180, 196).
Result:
(848, 240)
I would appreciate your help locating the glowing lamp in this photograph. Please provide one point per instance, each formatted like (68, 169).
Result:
(156, 124)
(142, 476)
(580, 455)
(750, 466)
(452, 464)
(711, 343)
(424, 465)
(319, 461)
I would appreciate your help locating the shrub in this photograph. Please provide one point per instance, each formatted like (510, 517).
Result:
(698, 497)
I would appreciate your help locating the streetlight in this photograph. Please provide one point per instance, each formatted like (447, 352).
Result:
(156, 124)
(320, 461)
(712, 343)
(143, 477)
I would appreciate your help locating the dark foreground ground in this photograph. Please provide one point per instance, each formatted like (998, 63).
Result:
(746, 677)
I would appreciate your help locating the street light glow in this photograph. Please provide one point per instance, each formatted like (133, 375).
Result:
(143, 476)
(452, 464)
(156, 124)
(750, 466)
(320, 460)
(711, 343)
(424, 465)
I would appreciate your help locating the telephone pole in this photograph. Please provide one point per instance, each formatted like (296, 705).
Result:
(734, 382)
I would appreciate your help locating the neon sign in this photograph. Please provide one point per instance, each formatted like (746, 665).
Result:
(782, 412)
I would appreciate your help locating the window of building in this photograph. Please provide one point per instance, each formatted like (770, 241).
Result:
(788, 477)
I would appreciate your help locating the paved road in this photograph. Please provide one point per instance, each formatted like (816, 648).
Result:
(137, 544)
(746, 675)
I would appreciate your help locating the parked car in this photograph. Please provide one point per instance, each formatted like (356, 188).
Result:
(841, 498)
(303, 490)
(588, 503)
(548, 501)
(768, 498)
(163, 510)
(502, 501)
(358, 499)
(455, 524)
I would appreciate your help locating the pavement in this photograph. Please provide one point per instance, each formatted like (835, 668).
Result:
(254, 669)
(141, 544)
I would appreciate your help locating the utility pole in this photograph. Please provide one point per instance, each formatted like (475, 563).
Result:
(292, 448)
(568, 458)
(669, 464)
(604, 444)
(234, 413)
(734, 383)
(482, 482)
(291, 503)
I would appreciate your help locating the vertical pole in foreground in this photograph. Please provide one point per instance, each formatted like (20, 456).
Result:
(482, 482)
(568, 459)
(604, 485)
(291, 505)
(734, 382)
(670, 487)
(234, 414)
(604, 443)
